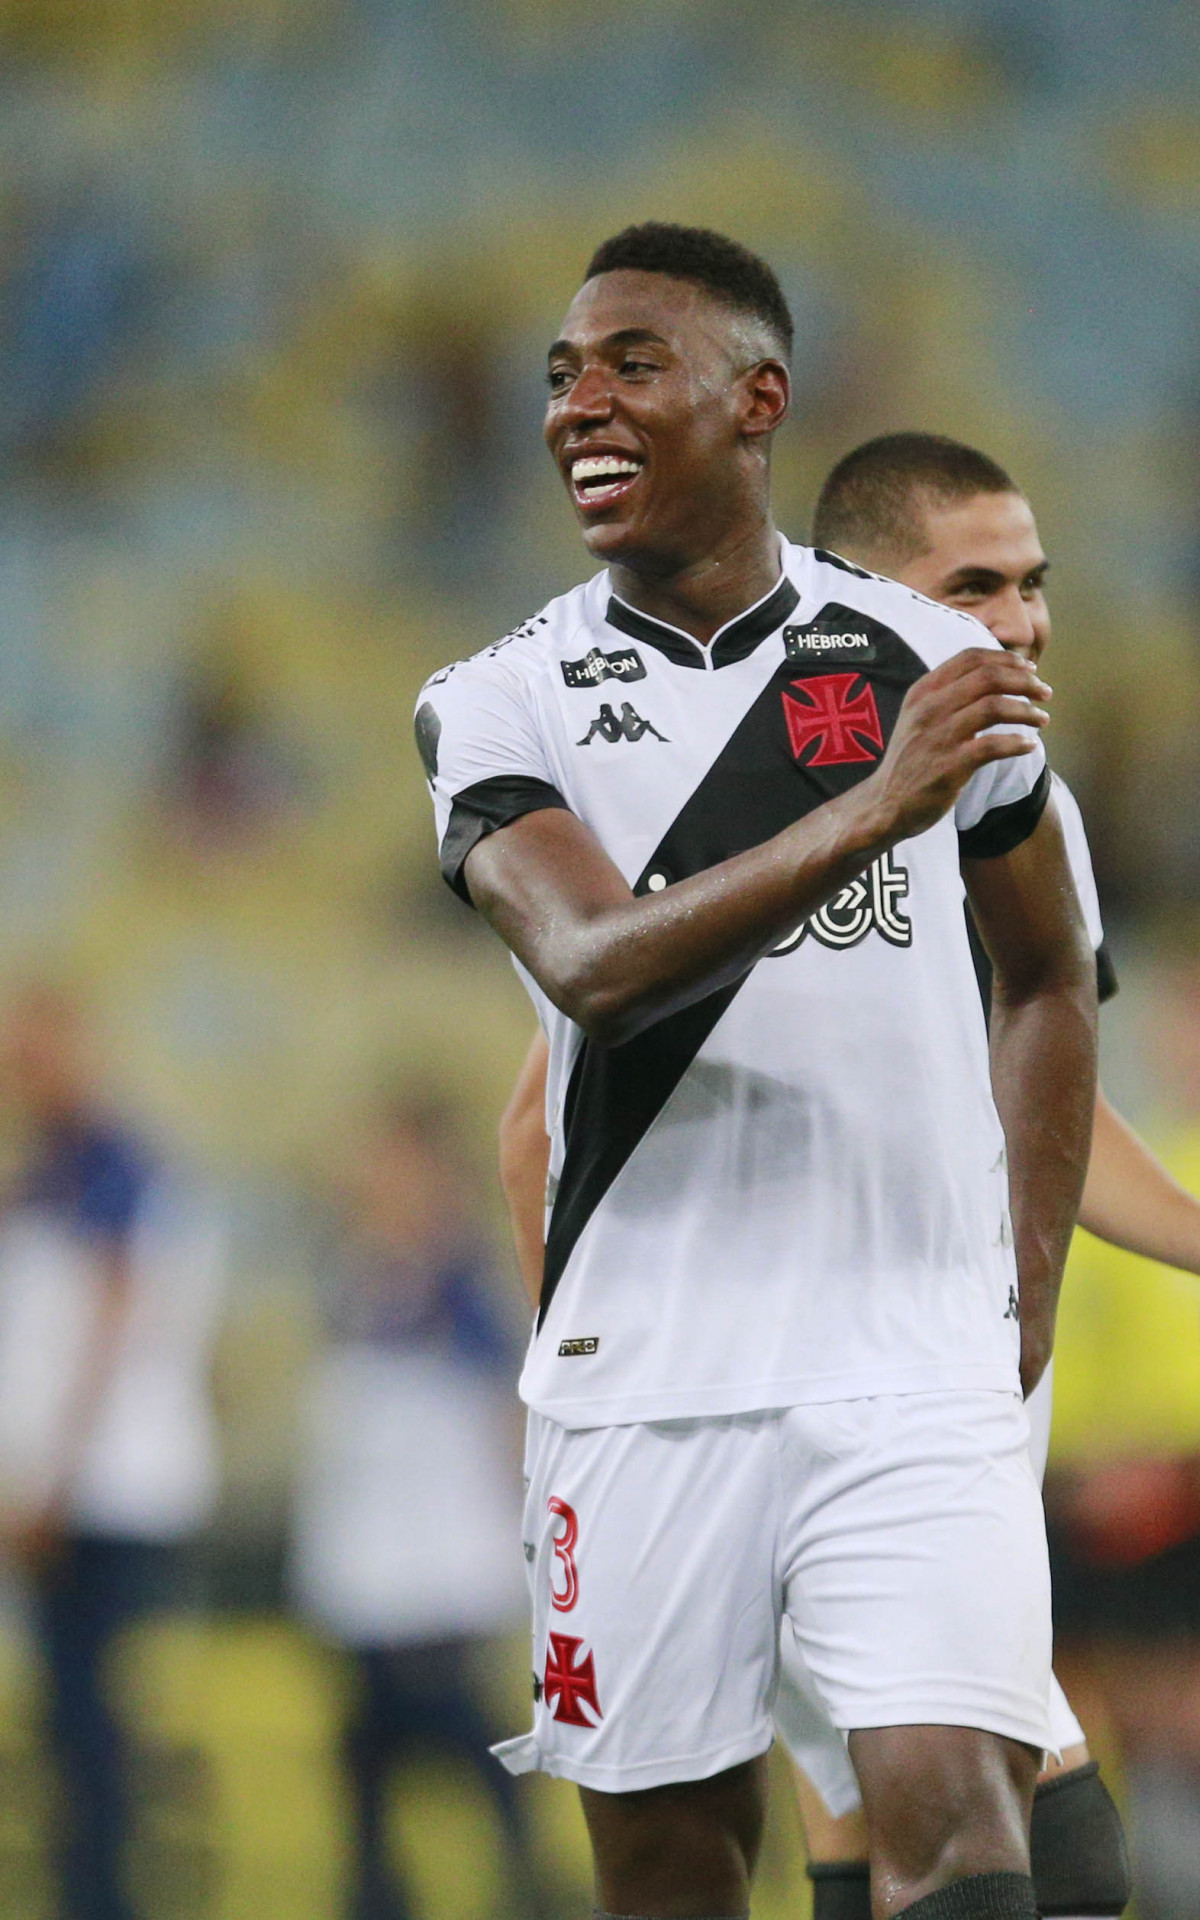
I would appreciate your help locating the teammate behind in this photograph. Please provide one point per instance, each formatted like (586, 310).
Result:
(777, 1372)
(949, 522)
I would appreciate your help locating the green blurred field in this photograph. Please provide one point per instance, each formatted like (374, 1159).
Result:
(242, 1814)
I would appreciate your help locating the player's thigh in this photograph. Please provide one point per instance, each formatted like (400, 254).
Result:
(655, 1598)
(690, 1847)
(917, 1578)
(942, 1803)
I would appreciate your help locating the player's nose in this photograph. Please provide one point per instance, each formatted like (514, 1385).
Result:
(590, 396)
(1013, 626)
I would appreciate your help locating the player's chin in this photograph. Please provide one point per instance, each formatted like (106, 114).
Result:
(609, 536)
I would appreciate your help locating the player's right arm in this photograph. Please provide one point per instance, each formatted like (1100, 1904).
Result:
(615, 963)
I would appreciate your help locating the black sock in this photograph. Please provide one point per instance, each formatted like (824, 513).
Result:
(841, 1889)
(1077, 1845)
(980, 1896)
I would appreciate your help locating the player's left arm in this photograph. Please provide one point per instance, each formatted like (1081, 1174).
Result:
(524, 1163)
(1132, 1201)
(1043, 1048)
(1129, 1198)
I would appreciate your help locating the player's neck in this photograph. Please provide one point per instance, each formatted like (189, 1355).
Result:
(704, 595)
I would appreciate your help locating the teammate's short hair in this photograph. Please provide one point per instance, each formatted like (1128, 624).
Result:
(872, 504)
(722, 266)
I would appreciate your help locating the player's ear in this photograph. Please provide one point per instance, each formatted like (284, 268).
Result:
(766, 397)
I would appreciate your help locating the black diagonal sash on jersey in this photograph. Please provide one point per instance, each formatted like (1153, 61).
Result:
(754, 789)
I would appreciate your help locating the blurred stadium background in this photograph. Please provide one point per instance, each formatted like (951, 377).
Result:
(275, 286)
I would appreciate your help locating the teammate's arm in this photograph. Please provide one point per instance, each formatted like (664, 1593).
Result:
(1043, 1047)
(615, 963)
(524, 1163)
(1131, 1200)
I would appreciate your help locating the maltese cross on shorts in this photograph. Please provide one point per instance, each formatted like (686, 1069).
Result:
(570, 1687)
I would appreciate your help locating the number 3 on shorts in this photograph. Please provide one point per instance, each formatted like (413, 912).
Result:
(564, 1552)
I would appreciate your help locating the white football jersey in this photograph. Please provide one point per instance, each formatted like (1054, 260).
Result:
(793, 1190)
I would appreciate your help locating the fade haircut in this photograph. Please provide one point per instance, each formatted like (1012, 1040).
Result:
(721, 266)
(872, 505)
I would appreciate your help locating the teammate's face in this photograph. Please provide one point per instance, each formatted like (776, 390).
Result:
(655, 390)
(984, 555)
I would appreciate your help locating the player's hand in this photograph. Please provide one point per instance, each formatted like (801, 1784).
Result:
(941, 736)
(1037, 1347)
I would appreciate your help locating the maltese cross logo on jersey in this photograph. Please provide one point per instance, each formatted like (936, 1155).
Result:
(568, 1687)
(845, 728)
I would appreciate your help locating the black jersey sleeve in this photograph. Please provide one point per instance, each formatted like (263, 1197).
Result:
(1005, 827)
(480, 810)
(483, 749)
(1106, 974)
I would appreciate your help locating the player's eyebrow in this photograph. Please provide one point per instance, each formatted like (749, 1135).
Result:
(623, 337)
(990, 578)
(975, 576)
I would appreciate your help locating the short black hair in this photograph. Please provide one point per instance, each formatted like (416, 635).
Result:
(870, 506)
(722, 266)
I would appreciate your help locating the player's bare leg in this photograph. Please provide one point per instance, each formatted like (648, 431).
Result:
(1078, 1855)
(832, 1837)
(679, 1852)
(945, 1806)
(828, 1836)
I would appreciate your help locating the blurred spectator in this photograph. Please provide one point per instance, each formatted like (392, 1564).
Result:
(83, 289)
(233, 772)
(1123, 1503)
(407, 1510)
(109, 1286)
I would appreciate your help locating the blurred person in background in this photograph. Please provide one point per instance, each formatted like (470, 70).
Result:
(407, 1497)
(111, 1273)
(946, 520)
(1123, 1495)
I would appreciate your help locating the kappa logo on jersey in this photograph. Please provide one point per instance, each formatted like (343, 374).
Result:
(630, 726)
(844, 725)
(869, 903)
(811, 642)
(569, 1686)
(625, 664)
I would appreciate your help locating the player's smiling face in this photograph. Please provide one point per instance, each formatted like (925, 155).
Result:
(984, 555)
(647, 415)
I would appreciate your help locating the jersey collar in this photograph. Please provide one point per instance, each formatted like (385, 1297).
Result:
(733, 641)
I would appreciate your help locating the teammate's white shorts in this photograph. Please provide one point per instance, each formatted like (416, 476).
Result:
(806, 1729)
(902, 1538)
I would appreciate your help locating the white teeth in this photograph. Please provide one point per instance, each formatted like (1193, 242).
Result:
(601, 467)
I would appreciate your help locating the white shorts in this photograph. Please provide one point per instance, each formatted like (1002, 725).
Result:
(806, 1729)
(901, 1537)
